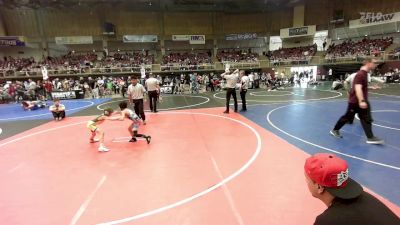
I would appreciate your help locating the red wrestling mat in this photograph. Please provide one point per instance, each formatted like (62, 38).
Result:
(202, 167)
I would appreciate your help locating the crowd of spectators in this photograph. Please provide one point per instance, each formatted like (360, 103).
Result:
(186, 60)
(235, 55)
(72, 63)
(352, 49)
(30, 90)
(297, 55)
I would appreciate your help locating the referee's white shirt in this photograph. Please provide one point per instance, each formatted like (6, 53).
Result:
(152, 84)
(231, 80)
(137, 91)
(245, 83)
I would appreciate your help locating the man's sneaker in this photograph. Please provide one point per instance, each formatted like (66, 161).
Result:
(103, 149)
(133, 140)
(374, 141)
(336, 133)
(226, 112)
(94, 140)
(148, 139)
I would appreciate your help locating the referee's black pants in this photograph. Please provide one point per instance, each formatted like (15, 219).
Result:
(153, 96)
(365, 118)
(138, 107)
(243, 97)
(229, 92)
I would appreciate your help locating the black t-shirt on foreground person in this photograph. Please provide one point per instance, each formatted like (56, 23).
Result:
(360, 78)
(363, 210)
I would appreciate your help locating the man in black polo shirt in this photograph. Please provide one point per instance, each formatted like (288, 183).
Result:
(327, 178)
(358, 103)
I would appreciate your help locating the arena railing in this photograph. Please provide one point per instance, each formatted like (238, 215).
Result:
(177, 67)
(290, 62)
(156, 68)
(392, 57)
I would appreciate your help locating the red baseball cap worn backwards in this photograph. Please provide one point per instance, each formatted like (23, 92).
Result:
(332, 173)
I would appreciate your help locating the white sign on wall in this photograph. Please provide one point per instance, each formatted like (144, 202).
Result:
(298, 31)
(193, 39)
(74, 40)
(139, 38)
(197, 39)
(180, 37)
(370, 19)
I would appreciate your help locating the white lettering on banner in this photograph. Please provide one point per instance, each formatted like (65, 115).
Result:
(371, 19)
(8, 42)
(245, 36)
(197, 39)
(368, 17)
(63, 95)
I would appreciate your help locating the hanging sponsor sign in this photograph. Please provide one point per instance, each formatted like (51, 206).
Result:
(180, 37)
(298, 31)
(139, 38)
(12, 41)
(370, 19)
(74, 40)
(245, 36)
(63, 95)
(197, 39)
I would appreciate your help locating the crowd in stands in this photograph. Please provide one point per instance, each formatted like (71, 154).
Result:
(353, 49)
(72, 63)
(186, 60)
(33, 90)
(235, 55)
(297, 55)
(17, 91)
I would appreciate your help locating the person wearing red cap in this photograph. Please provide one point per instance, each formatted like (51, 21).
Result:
(327, 177)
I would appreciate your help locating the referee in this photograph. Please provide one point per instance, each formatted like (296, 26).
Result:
(153, 89)
(231, 81)
(136, 94)
(244, 85)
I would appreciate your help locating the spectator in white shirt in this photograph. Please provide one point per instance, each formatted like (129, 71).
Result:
(231, 81)
(251, 80)
(32, 89)
(153, 89)
(58, 110)
(243, 88)
(136, 93)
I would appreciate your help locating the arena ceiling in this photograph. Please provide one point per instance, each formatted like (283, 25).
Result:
(157, 5)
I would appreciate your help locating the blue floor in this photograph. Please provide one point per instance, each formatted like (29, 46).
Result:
(307, 126)
(11, 112)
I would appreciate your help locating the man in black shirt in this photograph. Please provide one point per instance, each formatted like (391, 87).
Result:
(328, 179)
(358, 103)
